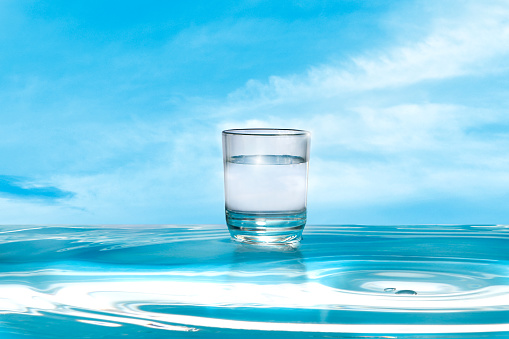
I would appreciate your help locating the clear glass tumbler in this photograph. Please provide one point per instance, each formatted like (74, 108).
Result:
(265, 179)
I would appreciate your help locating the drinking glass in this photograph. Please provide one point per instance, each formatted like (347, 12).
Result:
(265, 180)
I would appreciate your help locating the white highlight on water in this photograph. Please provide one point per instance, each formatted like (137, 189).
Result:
(101, 300)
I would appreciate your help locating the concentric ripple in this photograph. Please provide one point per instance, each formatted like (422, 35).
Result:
(193, 281)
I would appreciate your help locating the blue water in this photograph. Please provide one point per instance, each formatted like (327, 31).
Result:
(345, 281)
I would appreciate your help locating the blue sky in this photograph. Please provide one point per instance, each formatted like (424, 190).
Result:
(111, 112)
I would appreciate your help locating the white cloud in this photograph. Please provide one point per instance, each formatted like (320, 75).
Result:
(401, 153)
(138, 172)
(470, 41)
(388, 148)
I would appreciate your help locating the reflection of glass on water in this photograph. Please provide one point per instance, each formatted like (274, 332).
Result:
(266, 183)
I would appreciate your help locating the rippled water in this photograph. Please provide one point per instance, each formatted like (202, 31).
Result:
(194, 282)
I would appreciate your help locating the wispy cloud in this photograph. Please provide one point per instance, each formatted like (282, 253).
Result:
(472, 41)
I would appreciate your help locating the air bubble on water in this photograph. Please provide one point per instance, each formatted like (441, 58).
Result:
(389, 289)
(407, 292)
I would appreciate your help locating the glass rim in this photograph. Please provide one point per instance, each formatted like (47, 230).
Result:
(266, 132)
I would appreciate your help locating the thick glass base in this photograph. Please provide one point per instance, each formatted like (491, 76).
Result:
(263, 227)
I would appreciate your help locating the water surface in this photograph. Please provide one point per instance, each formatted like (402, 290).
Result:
(348, 281)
